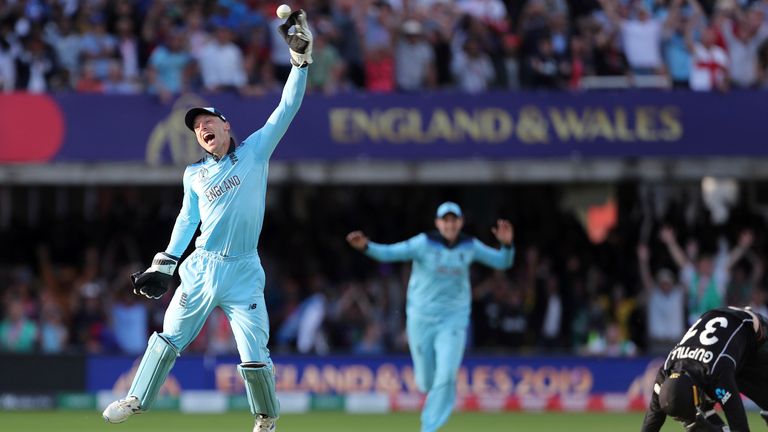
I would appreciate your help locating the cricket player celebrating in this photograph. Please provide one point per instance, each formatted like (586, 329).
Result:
(439, 300)
(226, 192)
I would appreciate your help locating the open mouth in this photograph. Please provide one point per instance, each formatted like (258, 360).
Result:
(208, 137)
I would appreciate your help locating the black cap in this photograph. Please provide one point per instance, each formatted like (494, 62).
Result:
(189, 118)
(679, 396)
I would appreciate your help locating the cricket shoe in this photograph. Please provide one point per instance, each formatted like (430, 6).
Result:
(264, 424)
(119, 410)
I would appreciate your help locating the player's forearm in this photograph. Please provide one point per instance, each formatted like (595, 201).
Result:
(654, 417)
(499, 259)
(503, 258)
(182, 234)
(730, 400)
(290, 101)
(387, 253)
(278, 122)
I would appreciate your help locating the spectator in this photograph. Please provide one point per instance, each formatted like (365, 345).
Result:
(544, 66)
(117, 83)
(472, 68)
(88, 81)
(743, 34)
(641, 37)
(53, 333)
(67, 44)
(706, 281)
(17, 332)
(380, 70)
(129, 319)
(35, 65)
(579, 63)
(327, 69)
(664, 304)
(221, 63)
(90, 330)
(677, 39)
(371, 343)
(611, 343)
(281, 59)
(608, 54)
(97, 46)
(127, 49)
(169, 67)
(198, 37)
(347, 39)
(710, 64)
(744, 279)
(511, 64)
(414, 59)
(380, 26)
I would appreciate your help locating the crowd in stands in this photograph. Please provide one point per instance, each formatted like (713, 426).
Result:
(167, 47)
(64, 271)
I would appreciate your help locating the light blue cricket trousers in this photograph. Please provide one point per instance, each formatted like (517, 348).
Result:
(437, 348)
(236, 285)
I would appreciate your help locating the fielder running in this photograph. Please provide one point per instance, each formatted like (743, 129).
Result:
(439, 300)
(226, 192)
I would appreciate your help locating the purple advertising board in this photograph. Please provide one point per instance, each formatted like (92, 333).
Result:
(412, 127)
(479, 376)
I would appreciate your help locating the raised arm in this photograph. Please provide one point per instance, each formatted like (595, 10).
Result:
(611, 11)
(667, 236)
(745, 241)
(300, 45)
(402, 251)
(500, 259)
(266, 138)
(643, 260)
(673, 15)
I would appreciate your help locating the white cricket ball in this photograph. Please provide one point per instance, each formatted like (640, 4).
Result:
(283, 11)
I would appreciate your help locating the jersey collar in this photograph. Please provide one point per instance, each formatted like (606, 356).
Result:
(231, 149)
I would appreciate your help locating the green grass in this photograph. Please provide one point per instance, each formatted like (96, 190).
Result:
(87, 421)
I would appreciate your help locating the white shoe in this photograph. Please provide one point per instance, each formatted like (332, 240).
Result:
(119, 410)
(264, 424)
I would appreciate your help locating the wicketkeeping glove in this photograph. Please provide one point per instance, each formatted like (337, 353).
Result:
(153, 282)
(300, 41)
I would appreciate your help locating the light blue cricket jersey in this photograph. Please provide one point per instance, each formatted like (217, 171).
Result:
(228, 194)
(439, 284)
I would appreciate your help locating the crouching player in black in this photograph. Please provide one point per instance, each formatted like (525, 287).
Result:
(716, 360)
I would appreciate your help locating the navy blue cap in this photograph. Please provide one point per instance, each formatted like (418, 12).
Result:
(448, 207)
(189, 118)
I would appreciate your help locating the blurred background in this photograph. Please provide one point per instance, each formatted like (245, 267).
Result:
(624, 139)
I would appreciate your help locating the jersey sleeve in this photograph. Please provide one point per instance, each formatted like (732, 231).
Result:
(654, 416)
(727, 393)
(265, 139)
(500, 259)
(186, 222)
(402, 251)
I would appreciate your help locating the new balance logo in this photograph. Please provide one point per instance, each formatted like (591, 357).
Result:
(253, 306)
(183, 300)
